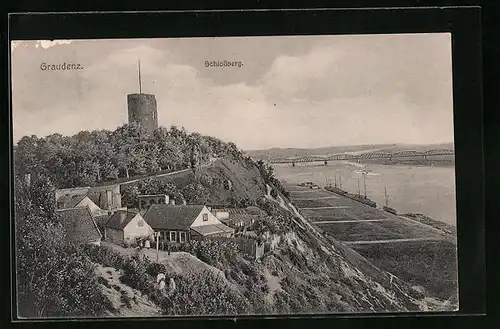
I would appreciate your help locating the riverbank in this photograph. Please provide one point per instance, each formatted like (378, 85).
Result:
(445, 228)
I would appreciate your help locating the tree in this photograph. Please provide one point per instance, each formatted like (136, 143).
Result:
(105, 155)
(25, 156)
(196, 193)
(126, 141)
(54, 277)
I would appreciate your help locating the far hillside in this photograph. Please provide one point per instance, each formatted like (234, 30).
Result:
(418, 147)
(275, 153)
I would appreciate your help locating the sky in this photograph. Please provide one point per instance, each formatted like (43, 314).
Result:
(293, 91)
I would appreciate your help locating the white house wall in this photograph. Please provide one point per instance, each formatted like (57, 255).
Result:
(212, 220)
(222, 214)
(133, 230)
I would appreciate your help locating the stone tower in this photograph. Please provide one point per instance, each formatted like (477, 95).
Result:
(142, 108)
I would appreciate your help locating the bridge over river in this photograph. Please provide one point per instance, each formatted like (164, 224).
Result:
(409, 154)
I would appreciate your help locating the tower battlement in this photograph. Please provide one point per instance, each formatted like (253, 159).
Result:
(142, 109)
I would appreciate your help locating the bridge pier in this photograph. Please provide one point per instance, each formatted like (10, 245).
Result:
(326, 163)
(293, 164)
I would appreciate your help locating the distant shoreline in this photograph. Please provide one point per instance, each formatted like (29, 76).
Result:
(415, 163)
(419, 163)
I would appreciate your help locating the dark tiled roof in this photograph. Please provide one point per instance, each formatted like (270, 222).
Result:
(174, 217)
(70, 201)
(79, 225)
(120, 219)
(101, 221)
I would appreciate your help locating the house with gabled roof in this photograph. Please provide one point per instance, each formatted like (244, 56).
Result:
(79, 226)
(105, 197)
(79, 201)
(182, 223)
(124, 227)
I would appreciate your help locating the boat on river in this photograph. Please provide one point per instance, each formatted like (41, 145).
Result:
(386, 207)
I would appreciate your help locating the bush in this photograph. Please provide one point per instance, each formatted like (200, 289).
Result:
(125, 299)
(206, 180)
(135, 274)
(204, 293)
(105, 255)
(153, 269)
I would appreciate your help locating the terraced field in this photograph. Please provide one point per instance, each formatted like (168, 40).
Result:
(418, 263)
(377, 230)
(415, 252)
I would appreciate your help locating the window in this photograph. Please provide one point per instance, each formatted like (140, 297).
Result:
(172, 236)
(140, 223)
(205, 217)
(182, 236)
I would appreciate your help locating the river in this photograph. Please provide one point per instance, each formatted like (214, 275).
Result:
(429, 190)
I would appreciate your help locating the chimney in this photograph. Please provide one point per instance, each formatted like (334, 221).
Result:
(167, 199)
(172, 202)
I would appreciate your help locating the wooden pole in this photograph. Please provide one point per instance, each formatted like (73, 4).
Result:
(364, 182)
(157, 244)
(140, 83)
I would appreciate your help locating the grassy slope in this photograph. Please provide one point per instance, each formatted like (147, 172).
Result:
(246, 180)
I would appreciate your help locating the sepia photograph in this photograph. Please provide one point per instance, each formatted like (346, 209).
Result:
(234, 176)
